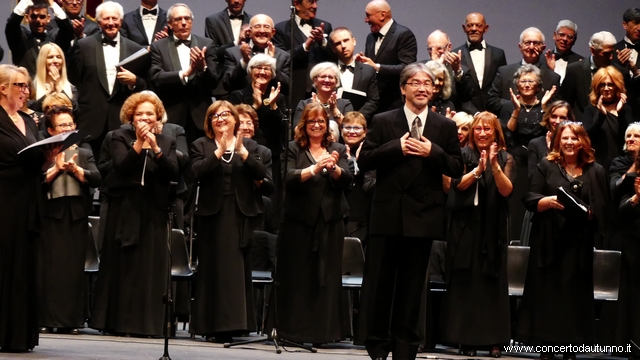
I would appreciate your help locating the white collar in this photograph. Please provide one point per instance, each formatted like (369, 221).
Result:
(385, 29)
(155, 7)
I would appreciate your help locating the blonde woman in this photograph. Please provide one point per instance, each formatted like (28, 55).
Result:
(51, 76)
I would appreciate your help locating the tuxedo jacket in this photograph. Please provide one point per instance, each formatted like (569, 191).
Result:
(207, 169)
(217, 27)
(96, 106)
(23, 45)
(267, 187)
(180, 99)
(499, 91)
(234, 77)
(319, 195)
(398, 49)
(408, 199)
(133, 28)
(493, 59)
(573, 57)
(365, 79)
(303, 61)
(632, 84)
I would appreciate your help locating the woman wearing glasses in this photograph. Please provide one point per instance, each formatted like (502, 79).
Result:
(134, 259)
(65, 227)
(326, 79)
(608, 115)
(308, 272)
(557, 306)
(226, 165)
(477, 299)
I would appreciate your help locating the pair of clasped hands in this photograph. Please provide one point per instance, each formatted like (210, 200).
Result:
(327, 162)
(411, 146)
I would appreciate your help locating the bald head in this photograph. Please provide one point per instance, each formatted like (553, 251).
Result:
(261, 30)
(438, 44)
(377, 14)
(475, 26)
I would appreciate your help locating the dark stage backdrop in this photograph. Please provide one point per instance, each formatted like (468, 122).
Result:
(507, 18)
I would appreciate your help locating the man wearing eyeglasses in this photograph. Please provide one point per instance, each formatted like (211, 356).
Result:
(236, 58)
(183, 72)
(82, 25)
(25, 43)
(531, 47)
(564, 37)
(145, 24)
(410, 148)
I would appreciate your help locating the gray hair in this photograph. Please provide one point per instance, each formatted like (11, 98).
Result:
(262, 59)
(602, 39)
(170, 10)
(534, 29)
(527, 69)
(567, 24)
(437, 69)
(109, 5)
(327, 65)
(635, 127)
(412, 70)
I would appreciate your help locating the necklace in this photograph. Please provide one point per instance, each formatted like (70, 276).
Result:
(571, 170)
(15, 118)
(227, 152)
(527, 109)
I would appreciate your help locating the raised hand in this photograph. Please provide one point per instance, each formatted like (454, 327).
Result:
(126, 77)
(239, 146)
(482, 163)
(548, 95)
(551, 59)
(365, 60)
(54, 73)
(245, 51)
(600, 105)
(161, 34)
(449, 114)
(70, 165)
(245, 33)
(314, 98)
(621, 102)
(273, 95)
(453, 59)
(624, 56)
(257, 97)
(515, 100)
(359, 149)
(493, 155)
(271, 49)
(78, 27)
(403, 144)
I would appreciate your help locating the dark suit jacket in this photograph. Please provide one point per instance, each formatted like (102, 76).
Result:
(303, 61)
(23, 45)
(319, 195)
(493, 59)
(236, 78)
(408, 199)
(182, 100)
(632, 84)
(499, 92)
(1, 53)
(365, 79)
(207, 169)
(217, 27)
(267, 187)
(90, 26)
(573, 57)
(398, 49)
(343, 105)
(133, 28)
(86, 69)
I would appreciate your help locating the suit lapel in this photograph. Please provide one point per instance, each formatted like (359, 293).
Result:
(357, 74)
(173, 54)
(100, 66)
(587, 76)
(227, 25)
(400, 125)
(431, 127)
(124, 52)
(138, 20)
(488, 63)
(370, 46)
(298, 35)
(162, 17)
(386, 39)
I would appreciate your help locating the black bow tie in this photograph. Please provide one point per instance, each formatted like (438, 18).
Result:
(377, 36)
(257, 50)
(477, 46)
(564, 56)
(187, 43)
(106, 41)
(149, 12)
(41, 36)
(304, 22)
(632, 46)
(344, 67)
(236, 17)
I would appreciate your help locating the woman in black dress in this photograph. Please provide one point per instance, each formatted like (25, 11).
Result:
(226, 165)
(133, 265)
(440, 102)
(308, 271)
(608, 115)
(477, 298)
(557, 306)
(63, 246)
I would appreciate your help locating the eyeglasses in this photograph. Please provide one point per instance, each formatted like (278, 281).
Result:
(262, 68)
(36, 16)
(527, 82)
(355, 129)
(181, 18)
(73, 1)
(562, 35)
(258, 27)
(326, 77)
(480, 129)
(24, 87)
(439, 48)
(418, 84)
(66, 126)
(221, 116)
(316, 121)
(532, 43)
(607, 84)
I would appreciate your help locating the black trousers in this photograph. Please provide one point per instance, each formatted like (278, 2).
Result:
(394, 277)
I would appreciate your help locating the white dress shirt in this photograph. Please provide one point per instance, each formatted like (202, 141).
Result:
(236, 26)
(347, 76)
(477, 58)
(383, 31)
(149, 23)
(411, 116)
(111, 59)
(184, 54)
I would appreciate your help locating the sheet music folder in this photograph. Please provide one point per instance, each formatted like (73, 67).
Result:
(65, 140)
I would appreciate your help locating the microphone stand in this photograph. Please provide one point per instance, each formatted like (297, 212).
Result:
(168, 297)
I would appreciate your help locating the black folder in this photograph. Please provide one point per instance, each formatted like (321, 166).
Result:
(574, 208)
(138, 63)
(65, 140)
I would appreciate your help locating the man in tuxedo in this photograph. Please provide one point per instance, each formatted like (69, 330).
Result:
(103, 87)
(310, 45)
(388, 49)
(24, 42)
(145, 24)
(236, 58)
(482, 61)
(183, 72)
(82, 25)
(531, 47)
(627, 57)
(577, 81)
(411, 148)
(564, 37)
(354, 74)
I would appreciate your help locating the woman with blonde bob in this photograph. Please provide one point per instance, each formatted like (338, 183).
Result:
(477, 310)
(51, 76)
(134, 258)
(557, 305)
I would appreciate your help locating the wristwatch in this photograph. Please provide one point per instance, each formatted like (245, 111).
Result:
(266, 102)
(473, 172)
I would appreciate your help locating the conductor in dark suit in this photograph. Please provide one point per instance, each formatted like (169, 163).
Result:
(411, 148)
(145, 24)
(482, 60)
(183, 72)
(354, 74)
(225, 27)
(388, 49)
(82, 25)
(531, 46)
(103, 88)
(310, 45)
